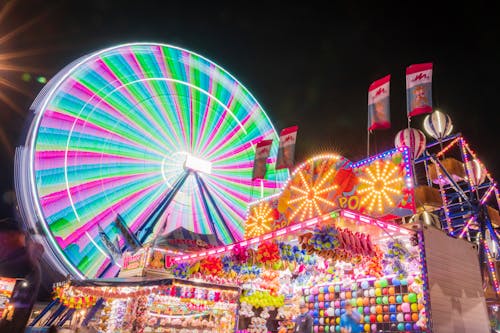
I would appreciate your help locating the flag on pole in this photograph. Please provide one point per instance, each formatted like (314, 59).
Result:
(286, 150)
(379, 116)
(419, 89)
(261, 154)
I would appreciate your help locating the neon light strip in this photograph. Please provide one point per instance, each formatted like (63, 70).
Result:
(377, 157)
(425, 278)
(497, 194)
(448, 147)
(365, 219)
(472, 218)
(468, 171)
(491, 267)
(487, 194)
(443, 197)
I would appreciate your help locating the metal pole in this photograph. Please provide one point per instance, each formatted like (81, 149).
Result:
(367, 143)
(55, 315)
(65, 317)
(44, 312)
(92, 312)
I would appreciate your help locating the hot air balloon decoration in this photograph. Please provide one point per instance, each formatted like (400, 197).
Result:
(412, 138)
(438, 125)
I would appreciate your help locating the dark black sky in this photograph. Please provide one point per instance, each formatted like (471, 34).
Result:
(307, 64)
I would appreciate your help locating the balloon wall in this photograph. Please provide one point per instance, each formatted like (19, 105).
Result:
(386, 304)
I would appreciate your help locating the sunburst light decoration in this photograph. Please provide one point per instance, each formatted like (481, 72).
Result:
(259, 220)
(385, 184)
(380, 186)
(382, 180)
(313, 188)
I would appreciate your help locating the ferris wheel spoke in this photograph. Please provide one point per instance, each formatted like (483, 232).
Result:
(96, 120)
(126, 100)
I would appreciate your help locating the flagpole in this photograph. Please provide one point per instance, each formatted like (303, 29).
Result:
(367, 143)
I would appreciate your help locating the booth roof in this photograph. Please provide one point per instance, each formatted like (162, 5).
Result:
(122, 282)
(146, 281)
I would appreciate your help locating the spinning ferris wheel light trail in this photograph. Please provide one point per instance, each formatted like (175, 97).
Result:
(142, 131)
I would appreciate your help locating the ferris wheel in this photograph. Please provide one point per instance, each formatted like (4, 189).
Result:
(144, 138)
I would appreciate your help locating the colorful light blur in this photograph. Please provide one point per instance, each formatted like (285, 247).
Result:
(259, 221)
(111, 134)
(380, 186)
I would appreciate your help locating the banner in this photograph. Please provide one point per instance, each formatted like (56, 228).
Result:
(379, 116)
(286, 149)
(419, 89)
(261, 154)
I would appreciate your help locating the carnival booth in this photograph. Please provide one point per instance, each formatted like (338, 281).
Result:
(148, 305)
(326, 239)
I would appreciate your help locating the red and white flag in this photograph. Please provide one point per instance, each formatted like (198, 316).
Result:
(379, 116)
(419, 89)
(261, 154)
(286, 150)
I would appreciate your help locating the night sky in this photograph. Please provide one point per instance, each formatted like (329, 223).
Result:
(308, 65)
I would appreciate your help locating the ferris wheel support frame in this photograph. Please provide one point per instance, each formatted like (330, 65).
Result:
(204, 191)
(147, 228)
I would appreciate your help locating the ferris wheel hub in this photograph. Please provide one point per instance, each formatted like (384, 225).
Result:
(193, 163)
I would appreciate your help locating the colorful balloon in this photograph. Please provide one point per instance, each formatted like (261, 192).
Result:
(477, 172)
(438, 125)
(412, 138)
